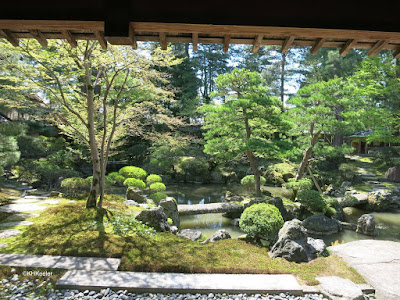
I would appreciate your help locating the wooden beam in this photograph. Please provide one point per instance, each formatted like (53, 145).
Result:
(396, 53)
(195, 40)
(163, 40)
(39, 37)
(257, 43)
(10, 37)
(68, 36)
(350, 44)
(132, 37)
(287, 43)
(377, 47)
(227, 40)
(100, 37)
(318, 44)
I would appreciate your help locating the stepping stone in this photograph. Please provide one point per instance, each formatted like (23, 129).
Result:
(12, 208)
(21, 217)
(21, 223)
(337, 288)
(366, 288)
(50, 201)
(35, 197)
(24, 201)
(59, 262)
(180, 283)
(7, 233)
(3, 245)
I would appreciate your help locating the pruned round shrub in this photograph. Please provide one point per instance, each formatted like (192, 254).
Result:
(301, 184)
(157, 187)
(262, 221)
(249, 182)
(133, 172)
(152, 178)
(117, 178)
(74, 185)
(133, 182)
(157, 197)
(313, 200)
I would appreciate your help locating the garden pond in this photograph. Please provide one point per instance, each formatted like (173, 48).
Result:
(387, 223)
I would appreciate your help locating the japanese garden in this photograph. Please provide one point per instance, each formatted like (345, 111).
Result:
(205, 159)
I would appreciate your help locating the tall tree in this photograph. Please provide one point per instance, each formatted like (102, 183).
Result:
(245, 124)
(94, 96)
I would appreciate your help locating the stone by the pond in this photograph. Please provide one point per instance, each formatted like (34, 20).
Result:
(170, 207)
(235, 222)
(337, 288)
(221, 234)
(7, 233)
(322, 225)
(154, 217)
(366, 225)
(20, 223)
(3, 245)
(11, 208)
(135, 195)
(131, 202)
(294, 245)
(190, 234)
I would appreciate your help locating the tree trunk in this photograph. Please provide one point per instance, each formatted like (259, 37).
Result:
(307, 156)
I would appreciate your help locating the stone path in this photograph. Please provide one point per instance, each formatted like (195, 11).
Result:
(377, 261)
(59, 262)
(178, 282)
(19, 223)
(7, 233)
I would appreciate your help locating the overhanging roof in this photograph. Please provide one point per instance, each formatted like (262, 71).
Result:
(344, 25)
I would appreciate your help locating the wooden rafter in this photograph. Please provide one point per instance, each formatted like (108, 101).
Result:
(227, 41)
(68, 36)
(257, 43)
(100, 37)
(38, 35)
(350, 44)
(377, 47)
(10, 37)
(396, 53)
(287, 43)
(195, 40)
(132, 37)
(318, 44)
(163, 41)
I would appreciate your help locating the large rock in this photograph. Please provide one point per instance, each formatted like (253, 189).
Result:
(154, 217)
(393, 174)
(366, 225)
(190, 234)
(170, 207)
(322, 225)
(221, 234)
(135, 195)
(294, 245)
(337, 288)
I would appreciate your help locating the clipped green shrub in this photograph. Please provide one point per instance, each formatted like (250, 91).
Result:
(152, 178)
(74, 185)
(313, 200)
(124, 225)
(157, 197)
(301, 184)
(262, 221)
(133, 172)
(248, 182)
(117, 178)
(133, 182)
(157, 187)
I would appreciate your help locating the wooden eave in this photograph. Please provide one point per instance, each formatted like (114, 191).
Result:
(285, 37)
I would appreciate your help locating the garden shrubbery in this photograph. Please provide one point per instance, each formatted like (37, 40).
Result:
(313, 200)
(278, 174)
(74, 185)
(262, 221)
(133, 172)
(134, 182)
(249, 182)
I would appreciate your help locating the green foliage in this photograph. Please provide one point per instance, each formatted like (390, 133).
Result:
(134, 182)
(194, 169)
(74, 185)
(249, 182)
(108, 180)
(313, 200)
(300, 184)
(349, 172)
(262, 221)
(133, 172)
(117, 178)
(280, 173)
(157, 187)
(152, 178)
(329, 158)
(158, 196)
(9, 151)
(124, 225)
(387, 155)
(349, 200)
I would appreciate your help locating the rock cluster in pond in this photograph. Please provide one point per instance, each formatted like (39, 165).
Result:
(366, 225)
(294, 244)
(319, 224)
(135, 195)
(156, 218)
(221, 234)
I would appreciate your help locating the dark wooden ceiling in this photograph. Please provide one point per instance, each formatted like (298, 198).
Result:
(340, 24)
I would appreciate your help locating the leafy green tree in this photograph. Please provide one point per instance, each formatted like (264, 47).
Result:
(9, 151)
(94, 96)
(247, 123)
